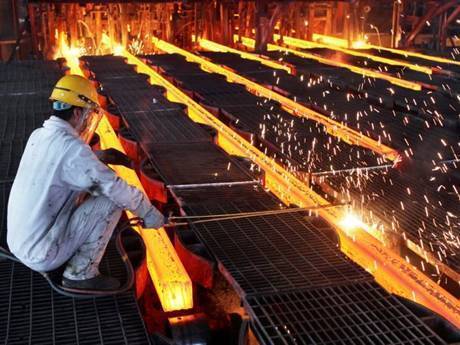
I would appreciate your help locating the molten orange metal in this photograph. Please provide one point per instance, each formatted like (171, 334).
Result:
(171, 281)
(391, 271)
(339, 42)
(298, 43)
(407, 53)
(250, 43)
(333, 127)
(210, 45)
(358, 70)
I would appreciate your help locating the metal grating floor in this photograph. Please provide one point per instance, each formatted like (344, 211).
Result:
(192, 197)
(18, 125)
(298, 139)
(164, 127)
(275, 252)
(30, 70)
(34, 314)
(5, 188)
(347, 314)
(10, 156)
(194, 163)
(355, 111)
(147, 99)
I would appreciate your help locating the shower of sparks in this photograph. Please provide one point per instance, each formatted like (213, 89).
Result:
(420, 204)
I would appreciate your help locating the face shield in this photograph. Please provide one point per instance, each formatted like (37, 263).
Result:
(88, 122)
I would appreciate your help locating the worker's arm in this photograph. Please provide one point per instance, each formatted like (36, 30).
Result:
(82, 171)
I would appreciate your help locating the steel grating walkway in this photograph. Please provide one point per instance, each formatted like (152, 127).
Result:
(273, 254)
(347, 314)
(356, 112)
(32, 313)
(301, 140)
(195, 163)
(381, 92)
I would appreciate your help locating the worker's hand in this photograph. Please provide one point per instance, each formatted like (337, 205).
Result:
(153, 219)
(114, 157)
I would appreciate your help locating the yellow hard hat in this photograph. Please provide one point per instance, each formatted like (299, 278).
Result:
(75, 90)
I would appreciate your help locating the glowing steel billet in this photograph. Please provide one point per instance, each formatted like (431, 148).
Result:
(407, 53)
(213, 46)
(171, 281)
(339, 42)
(390, 270)
(333, 127)
(358, 70)
(298, 43)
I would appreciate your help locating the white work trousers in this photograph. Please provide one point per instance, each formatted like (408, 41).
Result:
(84, 240)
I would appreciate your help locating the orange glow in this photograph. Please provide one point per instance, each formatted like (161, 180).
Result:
(171, 281)
(169, 277)
(391, 271)
(358, 70)
(407, 53)
(298, 43)
(213, 46)
(333, 127)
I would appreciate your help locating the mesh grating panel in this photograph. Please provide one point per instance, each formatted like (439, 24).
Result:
(4, 195)
(348, 314)
(275, 252)
(38, 315)
(164, 127)
(26, 88)
(18, 125)
(195, 163)
(29, 103)
(10, 156)
(142, 100)
(30, 70)
(191, 197)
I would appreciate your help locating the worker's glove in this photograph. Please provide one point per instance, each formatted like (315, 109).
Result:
(153, 219)
(114, 157)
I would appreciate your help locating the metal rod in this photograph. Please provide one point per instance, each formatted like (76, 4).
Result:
(352, 170)
(211, 184)
(229, 216)
(378, 167)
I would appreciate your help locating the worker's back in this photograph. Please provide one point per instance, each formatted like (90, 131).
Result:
(39, 193)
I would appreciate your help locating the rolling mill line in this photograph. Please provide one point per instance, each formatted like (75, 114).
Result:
(266, 282)
(229, 172)
(393, 196)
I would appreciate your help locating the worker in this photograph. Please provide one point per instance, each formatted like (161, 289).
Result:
(49, 225)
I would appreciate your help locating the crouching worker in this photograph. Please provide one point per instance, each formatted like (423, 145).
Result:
(48, 224)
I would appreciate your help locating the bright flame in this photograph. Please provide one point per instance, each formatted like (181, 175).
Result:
(351, 222)
(118, 49)
(359, 44)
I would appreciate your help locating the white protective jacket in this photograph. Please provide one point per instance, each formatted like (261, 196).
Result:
(55, 168)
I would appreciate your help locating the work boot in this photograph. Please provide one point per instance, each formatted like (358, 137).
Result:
(99, 282)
